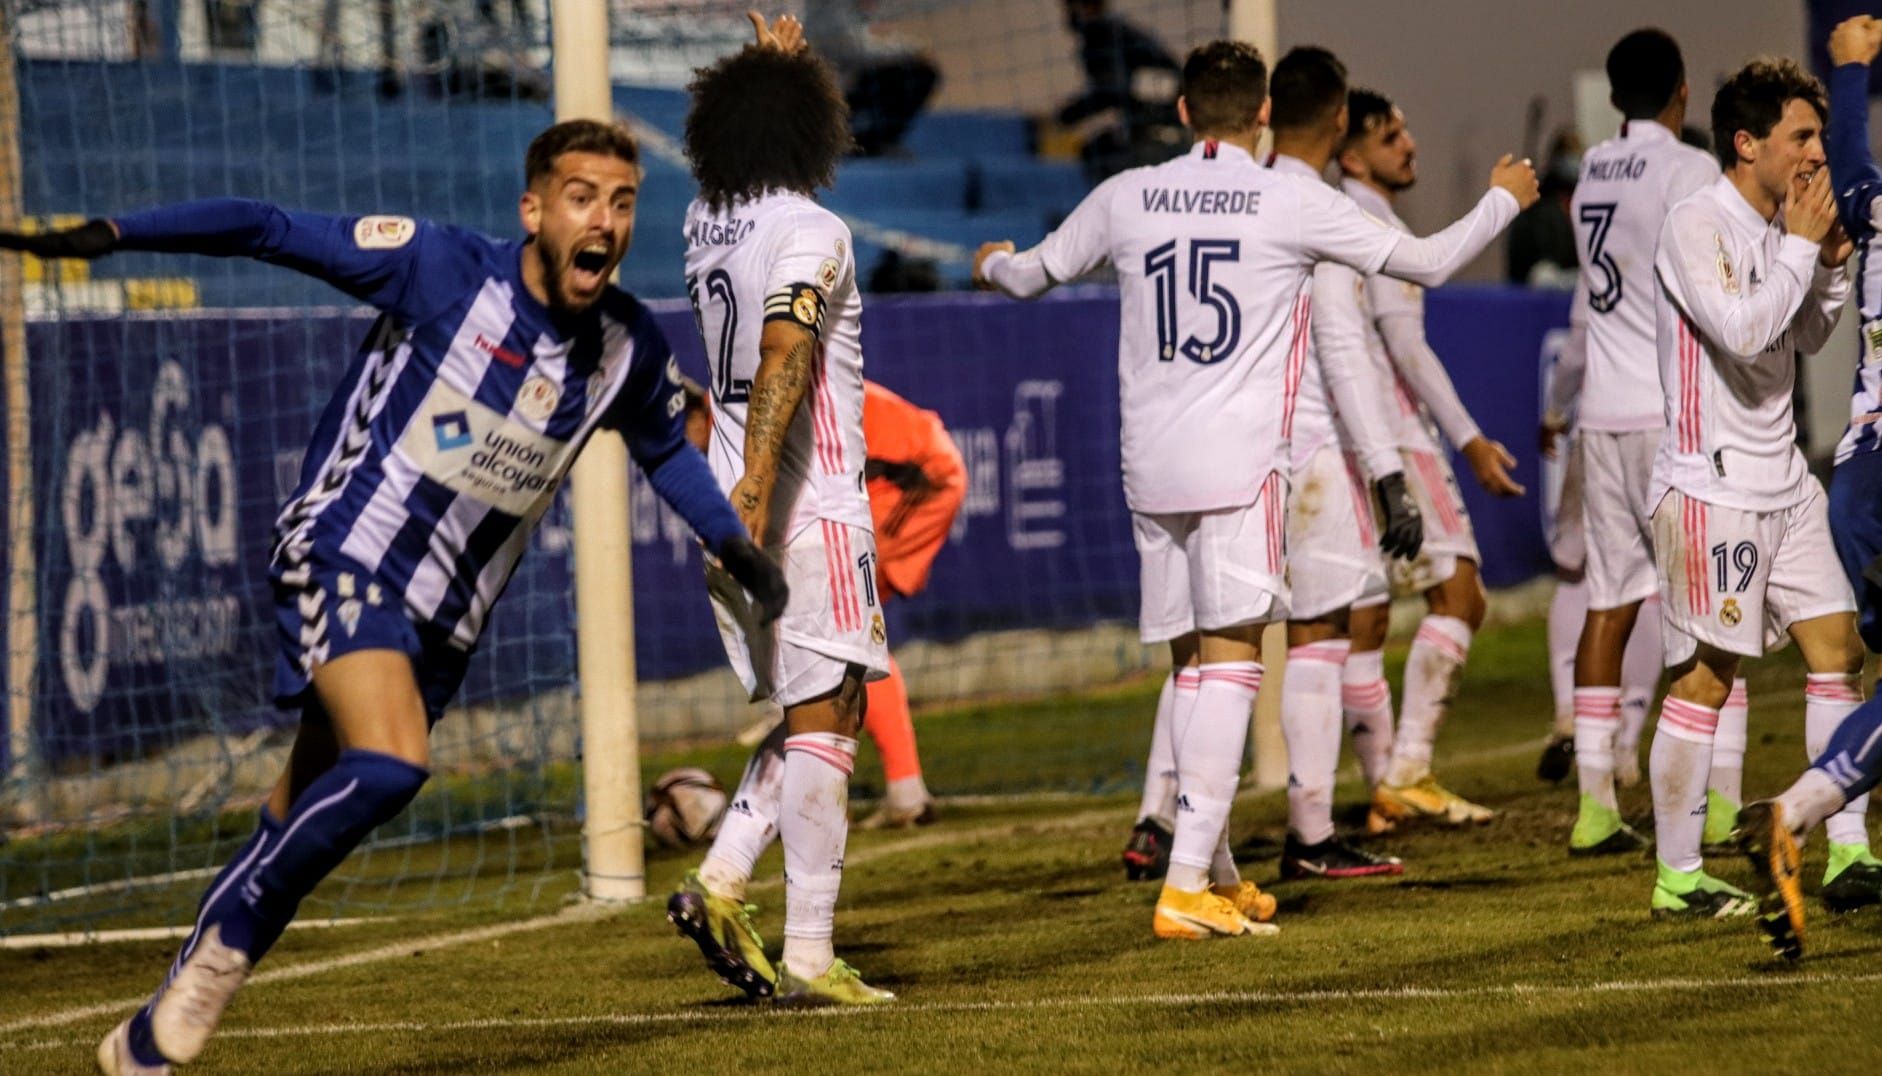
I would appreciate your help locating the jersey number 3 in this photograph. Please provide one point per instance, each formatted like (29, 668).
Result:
(1599, 218)
(1160, 271)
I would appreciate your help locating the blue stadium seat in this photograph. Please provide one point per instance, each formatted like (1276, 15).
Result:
(864, 186)
(1050, 187)
(976, 135)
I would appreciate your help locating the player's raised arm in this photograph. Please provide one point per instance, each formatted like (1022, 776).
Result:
(1698, 274)
(1334, 228)
(651, 414)
(373, 258)
(1075, 248)
(1853, 47)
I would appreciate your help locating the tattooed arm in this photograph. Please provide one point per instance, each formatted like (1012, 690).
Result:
(786, 351)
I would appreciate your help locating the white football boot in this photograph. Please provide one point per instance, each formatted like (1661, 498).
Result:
(191, 1004)
(114, 1055)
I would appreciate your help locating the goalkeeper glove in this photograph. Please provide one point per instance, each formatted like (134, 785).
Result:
(1404, 528)
(93, 239)
(758, 574)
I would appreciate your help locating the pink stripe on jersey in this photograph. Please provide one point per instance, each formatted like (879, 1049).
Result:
(1296, 360)
(1698, 586)
(849, 577)
(824, 428)
(1690, 716)
(1688, 387)
(1362, 504)
(1441, 642)
(1439, 492)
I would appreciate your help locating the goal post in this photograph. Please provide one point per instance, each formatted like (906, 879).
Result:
(613, 856)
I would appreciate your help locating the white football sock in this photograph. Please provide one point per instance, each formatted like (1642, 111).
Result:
(1641, 665)
(1814, 797)
(1209, 766)
(1597, 723)
(1828, 699)
(1432, 671)
(1310, 723)
(1159, 800)
(1366, 700)
(1567, 609)
(1728, 745)
(1222, 869)
(1677, 767)
(814, 823)
(751, 820)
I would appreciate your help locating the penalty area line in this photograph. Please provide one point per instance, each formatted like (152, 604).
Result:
(1249, 999)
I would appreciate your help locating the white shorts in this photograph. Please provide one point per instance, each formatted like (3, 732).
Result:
(1738, 580)
(1562, 524)
(1211, 570)
(1448, 534)
(1617, 475)
(832, 621)
(1334, 559)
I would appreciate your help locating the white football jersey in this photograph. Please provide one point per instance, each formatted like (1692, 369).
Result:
(1213, 255)
(1345, 390)
(1738, 299)
(1628, 183)
(783, 256)
(1427, 402)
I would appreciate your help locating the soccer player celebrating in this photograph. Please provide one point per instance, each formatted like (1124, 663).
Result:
(1628, 184)
(1214, 257)
(773, 282)
(1847, 757)
(1750, 273)
(1341, 421)
(1379, 161)
(401, 533)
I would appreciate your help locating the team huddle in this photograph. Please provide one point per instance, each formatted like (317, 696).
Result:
(1283, 428)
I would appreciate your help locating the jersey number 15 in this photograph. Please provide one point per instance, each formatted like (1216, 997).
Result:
(1160, 271)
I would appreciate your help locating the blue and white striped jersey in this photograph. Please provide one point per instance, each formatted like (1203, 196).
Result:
(457, 420)
(1858, 184)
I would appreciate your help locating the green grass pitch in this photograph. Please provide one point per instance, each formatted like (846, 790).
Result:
(1015, 943)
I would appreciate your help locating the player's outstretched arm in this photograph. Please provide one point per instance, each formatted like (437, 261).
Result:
(1074, 248)
(372, 259)
(1423, 372)
(1431, 260)
(1853, 47)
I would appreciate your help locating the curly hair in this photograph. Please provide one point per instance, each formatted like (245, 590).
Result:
(1753, 101)
(763, 120)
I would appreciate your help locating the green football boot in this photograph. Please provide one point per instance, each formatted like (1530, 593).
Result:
(723, 930)
(1721, 819)
(1698, 895)
(1599, 831)
(1854, 878)
(840, 985)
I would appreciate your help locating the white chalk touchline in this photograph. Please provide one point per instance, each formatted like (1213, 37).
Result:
(585, 912)
(1245, 998)
(96, 937)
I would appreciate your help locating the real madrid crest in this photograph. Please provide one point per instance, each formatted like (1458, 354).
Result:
(878, 633)
(1729, 613)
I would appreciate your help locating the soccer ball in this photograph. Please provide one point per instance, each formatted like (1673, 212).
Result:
(684, 807)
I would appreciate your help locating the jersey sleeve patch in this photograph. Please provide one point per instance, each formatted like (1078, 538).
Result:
(800, 303)
(383, 233)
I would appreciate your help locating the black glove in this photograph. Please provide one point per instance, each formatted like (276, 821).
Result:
(1404, 529)
(93, 239)
(758, 574)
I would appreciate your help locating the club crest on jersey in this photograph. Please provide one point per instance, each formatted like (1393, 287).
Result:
(804, 307)
(827, 274)
(383, 233)
(1729, 613)
(878, 633)
(349, 616)
(452, 430)
(1728, 279)
(537, 398)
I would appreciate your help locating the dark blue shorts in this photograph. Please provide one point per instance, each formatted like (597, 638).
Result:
(336, 609)
(1856, 528)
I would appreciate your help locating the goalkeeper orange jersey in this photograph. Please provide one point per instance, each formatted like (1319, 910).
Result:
(916, 484)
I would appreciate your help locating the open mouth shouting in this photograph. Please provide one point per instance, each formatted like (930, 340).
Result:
(589, 268)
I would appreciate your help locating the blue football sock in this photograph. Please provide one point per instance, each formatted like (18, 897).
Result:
(1853, 758)
(363, 790)
(221, 896)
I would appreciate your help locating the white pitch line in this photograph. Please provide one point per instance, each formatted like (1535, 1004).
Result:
(587, 912)
(1236, 998)
(100, 937)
